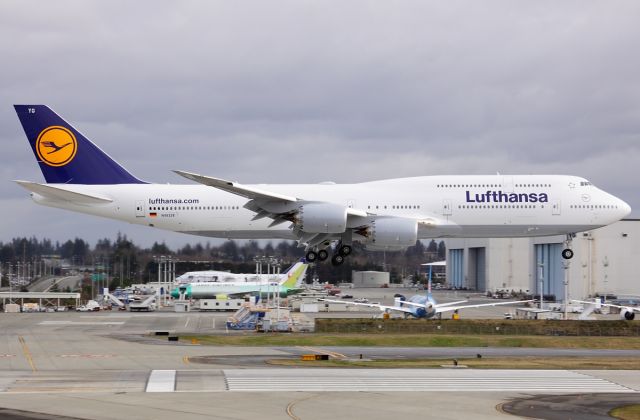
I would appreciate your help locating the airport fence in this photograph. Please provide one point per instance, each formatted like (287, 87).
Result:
(480, 327)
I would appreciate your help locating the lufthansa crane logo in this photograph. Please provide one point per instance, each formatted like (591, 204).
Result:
(56, 146)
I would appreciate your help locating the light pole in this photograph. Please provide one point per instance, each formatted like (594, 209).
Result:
(541, 278)
(565, 265)
(605, 265)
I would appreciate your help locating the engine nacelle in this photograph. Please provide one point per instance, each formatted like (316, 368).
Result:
(322, 218)
(627, 313)
(393, 234)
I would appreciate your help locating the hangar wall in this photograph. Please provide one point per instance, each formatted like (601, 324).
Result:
(604, 262)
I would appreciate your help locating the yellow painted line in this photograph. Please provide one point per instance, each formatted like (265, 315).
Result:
(185, 360)
(292, 404)
(27, 353)
(321, 351)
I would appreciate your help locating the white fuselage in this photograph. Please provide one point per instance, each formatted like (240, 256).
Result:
(227, 278)
(452, 206)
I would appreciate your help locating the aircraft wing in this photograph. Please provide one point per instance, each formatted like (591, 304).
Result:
(372, 305)
(441, 308)
(62, 194)
(442, 305)
(635, 308)
(236, 188)
(281, 208)
(424, 305)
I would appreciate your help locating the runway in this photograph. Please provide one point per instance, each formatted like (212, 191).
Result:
(312, 380)
(101, 365)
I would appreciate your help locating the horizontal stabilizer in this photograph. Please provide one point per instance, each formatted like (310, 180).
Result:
(62, 194)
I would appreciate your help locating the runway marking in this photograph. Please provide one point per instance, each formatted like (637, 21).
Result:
(186, 324)
(161, 381)
(89, 356)
(320, 380)
(7, 355)
(185, 360)
(27, 353)
(322, 351)
(81, 323)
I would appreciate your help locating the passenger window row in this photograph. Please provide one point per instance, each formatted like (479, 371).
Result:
(195, 208)
(384, 207)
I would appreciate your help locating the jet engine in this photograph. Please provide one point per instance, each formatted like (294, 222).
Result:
(322, 218)
(392, 234)
(420, 312)
(627, 313)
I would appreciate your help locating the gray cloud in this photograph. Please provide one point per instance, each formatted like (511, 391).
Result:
(314, 91)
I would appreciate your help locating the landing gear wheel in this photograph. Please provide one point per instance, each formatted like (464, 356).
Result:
(337, 259)
(323, 255)
(567, 254)
(345, 250)
(311, 256)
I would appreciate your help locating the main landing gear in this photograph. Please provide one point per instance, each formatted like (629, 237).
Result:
(316, 255)
(323, 255)
(567, 253)
(340, 253)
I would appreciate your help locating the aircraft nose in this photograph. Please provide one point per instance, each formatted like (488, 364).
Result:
(625, 209)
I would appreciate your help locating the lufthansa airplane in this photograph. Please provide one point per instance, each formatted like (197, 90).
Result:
(389, 214)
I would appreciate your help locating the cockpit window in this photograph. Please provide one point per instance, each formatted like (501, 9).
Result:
(585, 183)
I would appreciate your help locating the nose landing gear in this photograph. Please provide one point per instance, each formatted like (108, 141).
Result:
(567, 253)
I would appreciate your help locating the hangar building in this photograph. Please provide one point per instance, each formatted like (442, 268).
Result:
(369, 278)
(604, 262)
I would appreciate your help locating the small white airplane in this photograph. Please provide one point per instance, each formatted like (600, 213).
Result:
(389, 214)
(423, 306)
(626, 312)
(215, 276)
(286, 283)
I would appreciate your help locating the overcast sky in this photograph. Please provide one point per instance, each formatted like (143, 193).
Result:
(306, 91)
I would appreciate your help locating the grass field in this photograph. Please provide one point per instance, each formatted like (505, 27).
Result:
(628, 412)
(416, 340)
(572, 363)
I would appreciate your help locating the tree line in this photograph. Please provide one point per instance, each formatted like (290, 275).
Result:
(127, 263)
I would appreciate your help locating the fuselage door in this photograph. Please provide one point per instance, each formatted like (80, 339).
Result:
(555, 208)
(446, 208)
(139, 208)
(507, 183)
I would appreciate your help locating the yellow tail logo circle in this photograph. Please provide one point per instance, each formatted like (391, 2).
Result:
(56, 146)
